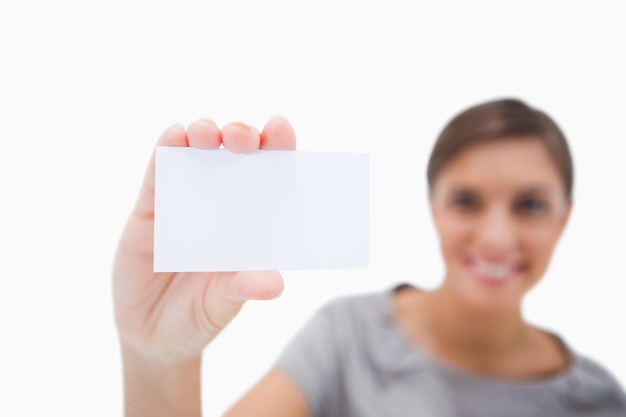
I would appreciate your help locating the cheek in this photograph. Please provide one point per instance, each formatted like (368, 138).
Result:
(538, 245)
(455, 235)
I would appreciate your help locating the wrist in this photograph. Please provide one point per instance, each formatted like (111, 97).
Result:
(159, 388)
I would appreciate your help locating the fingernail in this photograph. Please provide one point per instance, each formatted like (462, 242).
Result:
(281, 117)
(246, 125)
(206, 119)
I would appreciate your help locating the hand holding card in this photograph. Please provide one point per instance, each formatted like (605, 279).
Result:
(165, 320)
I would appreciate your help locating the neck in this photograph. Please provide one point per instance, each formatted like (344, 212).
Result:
(467, 332)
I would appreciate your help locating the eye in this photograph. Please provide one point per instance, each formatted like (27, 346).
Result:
(532, 206)
(465, 201)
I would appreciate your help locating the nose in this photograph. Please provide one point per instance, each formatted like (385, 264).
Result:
(496, 232)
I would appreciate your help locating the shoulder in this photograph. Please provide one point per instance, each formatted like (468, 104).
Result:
(345, 325)
(376, 303)
(369, 301)
(329, 349)
(360, 309)
(345, 320)
(589, 384)
(364, 332)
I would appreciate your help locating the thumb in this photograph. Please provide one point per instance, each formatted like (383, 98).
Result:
(225, 297)
(251, 285)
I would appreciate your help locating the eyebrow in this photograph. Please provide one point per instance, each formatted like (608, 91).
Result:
(532, 189)
(537, 189)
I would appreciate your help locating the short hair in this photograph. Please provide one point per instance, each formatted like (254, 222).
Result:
(500, 120)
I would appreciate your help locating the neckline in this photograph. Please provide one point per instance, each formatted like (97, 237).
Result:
(418, 353)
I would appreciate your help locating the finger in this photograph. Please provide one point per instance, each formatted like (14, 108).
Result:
(172, 136)
(278, 134)
(204, 134)
(240, 137)
(248, 285)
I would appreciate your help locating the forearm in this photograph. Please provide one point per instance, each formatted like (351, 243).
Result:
(152, 389)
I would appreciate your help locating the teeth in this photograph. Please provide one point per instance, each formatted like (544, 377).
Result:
(494, 271)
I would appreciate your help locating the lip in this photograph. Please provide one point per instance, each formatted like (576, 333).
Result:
(495, 273)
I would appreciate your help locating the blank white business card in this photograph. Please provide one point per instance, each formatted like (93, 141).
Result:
(220, 211)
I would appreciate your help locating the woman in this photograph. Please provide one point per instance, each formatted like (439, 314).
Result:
(500, 179)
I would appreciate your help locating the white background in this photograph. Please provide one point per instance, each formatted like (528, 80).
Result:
(87, 87)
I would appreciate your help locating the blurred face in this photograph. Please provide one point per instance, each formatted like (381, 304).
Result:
(500, 209)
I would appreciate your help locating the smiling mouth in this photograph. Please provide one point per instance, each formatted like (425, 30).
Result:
(494, 272)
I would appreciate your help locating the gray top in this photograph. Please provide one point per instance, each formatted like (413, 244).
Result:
(351, 360)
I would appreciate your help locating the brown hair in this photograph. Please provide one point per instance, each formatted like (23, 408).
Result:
(499, 120)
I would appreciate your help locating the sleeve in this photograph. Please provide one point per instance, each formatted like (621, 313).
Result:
(312, 360)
